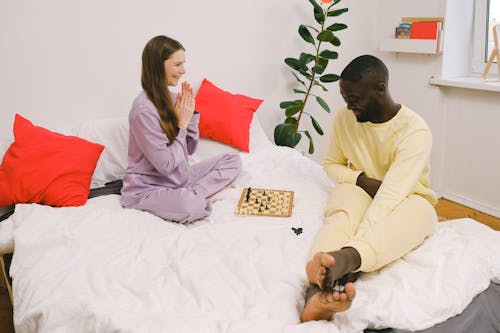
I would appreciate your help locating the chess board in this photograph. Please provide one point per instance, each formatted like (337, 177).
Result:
(265, 202)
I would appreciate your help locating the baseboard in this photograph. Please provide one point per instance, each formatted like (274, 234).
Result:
(472, 204)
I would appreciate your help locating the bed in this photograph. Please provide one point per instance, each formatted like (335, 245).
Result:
(103, 268)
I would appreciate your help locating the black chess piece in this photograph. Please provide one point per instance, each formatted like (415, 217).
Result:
(249, 191)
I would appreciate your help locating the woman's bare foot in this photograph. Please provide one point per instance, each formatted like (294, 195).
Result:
(316, 268)
(222, 189)
(323, 305)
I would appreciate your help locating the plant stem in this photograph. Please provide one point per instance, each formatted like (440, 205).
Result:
(311, 83)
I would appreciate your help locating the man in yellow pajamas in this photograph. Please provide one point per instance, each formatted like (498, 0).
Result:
(382, 206)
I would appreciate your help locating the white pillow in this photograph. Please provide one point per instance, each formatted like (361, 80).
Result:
(208, 147)
(113, 134)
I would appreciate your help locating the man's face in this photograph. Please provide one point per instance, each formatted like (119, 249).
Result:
(361, 99)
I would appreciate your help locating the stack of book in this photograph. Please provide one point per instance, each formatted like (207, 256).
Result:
(403, 31)
(421, 28)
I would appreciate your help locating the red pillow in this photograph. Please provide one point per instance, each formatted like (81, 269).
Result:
(225, 117)
(46, 167)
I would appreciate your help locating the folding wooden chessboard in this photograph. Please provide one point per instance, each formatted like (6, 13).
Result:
(265, 202)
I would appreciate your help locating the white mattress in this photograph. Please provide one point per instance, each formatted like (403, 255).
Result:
(102, 268)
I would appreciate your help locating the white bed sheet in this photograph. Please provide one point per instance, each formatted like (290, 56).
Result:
(102, 268)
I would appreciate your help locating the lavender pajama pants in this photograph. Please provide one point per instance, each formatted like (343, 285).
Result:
(187, 204)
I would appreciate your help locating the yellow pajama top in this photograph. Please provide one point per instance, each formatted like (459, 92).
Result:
(396, 152)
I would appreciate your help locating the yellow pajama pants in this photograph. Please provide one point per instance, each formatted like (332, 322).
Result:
(404, 229)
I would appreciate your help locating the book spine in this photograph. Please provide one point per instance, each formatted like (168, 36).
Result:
(421, 19)
(425, 29)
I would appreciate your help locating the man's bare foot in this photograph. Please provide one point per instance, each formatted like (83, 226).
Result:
(316, 267)
(323, 305)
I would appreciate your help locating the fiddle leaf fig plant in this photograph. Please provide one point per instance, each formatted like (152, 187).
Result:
(309, 71)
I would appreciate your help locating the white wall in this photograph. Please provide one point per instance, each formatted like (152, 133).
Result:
(65, 61)
(62, 62)
(464, 122)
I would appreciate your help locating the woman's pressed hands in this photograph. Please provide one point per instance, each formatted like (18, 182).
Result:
(184, 106)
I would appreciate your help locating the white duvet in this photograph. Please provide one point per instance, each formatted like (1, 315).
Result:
(102, 268)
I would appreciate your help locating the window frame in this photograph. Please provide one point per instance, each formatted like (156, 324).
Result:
(480, 36)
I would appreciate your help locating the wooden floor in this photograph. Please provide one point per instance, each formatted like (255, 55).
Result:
(6, 325)
(446, 210)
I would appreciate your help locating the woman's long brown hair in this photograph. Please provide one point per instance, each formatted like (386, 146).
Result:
(154, 82)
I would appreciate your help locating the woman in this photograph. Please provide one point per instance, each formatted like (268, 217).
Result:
(163, 132)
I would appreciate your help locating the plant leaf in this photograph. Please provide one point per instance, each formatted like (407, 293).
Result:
(305, 34)
(311, 145)
(292, 62)
(316, 83)
(319, 15)
(291, 121)
(306, 74)
(329, 54)
(318, 69)
(315, 4)
(323, 62)
(311, 27)
(305, 58)
(325, 36)
(289, 104)
(335, 41)
(337, 12)
(292, 111)
(298, 91)
(329, 78)
(285, 135)
(316, 125)
(323, 104)
(298, 79)
(337, 27)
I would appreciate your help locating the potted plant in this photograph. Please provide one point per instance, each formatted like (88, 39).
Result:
(309, 71)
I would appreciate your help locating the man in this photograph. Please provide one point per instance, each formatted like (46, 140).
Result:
(382, 206)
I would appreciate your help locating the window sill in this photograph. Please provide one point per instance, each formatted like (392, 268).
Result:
(468, 83)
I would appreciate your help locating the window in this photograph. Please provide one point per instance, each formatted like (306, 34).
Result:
(486, 15)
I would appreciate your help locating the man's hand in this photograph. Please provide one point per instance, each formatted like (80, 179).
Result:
(370, 185)
(184, 106)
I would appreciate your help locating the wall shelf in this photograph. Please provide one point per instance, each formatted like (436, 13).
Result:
(425, 46)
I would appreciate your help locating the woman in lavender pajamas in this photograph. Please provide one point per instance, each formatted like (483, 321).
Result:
(163, 132)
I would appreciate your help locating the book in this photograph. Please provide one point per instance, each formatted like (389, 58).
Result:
(421, 19)
(403, 32)
(425, 29)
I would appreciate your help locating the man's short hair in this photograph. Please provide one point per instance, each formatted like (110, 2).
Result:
(366, 67)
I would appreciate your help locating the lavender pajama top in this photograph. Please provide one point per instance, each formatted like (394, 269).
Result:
(159, 178)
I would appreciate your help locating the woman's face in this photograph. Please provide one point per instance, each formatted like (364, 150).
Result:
(174, 67)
